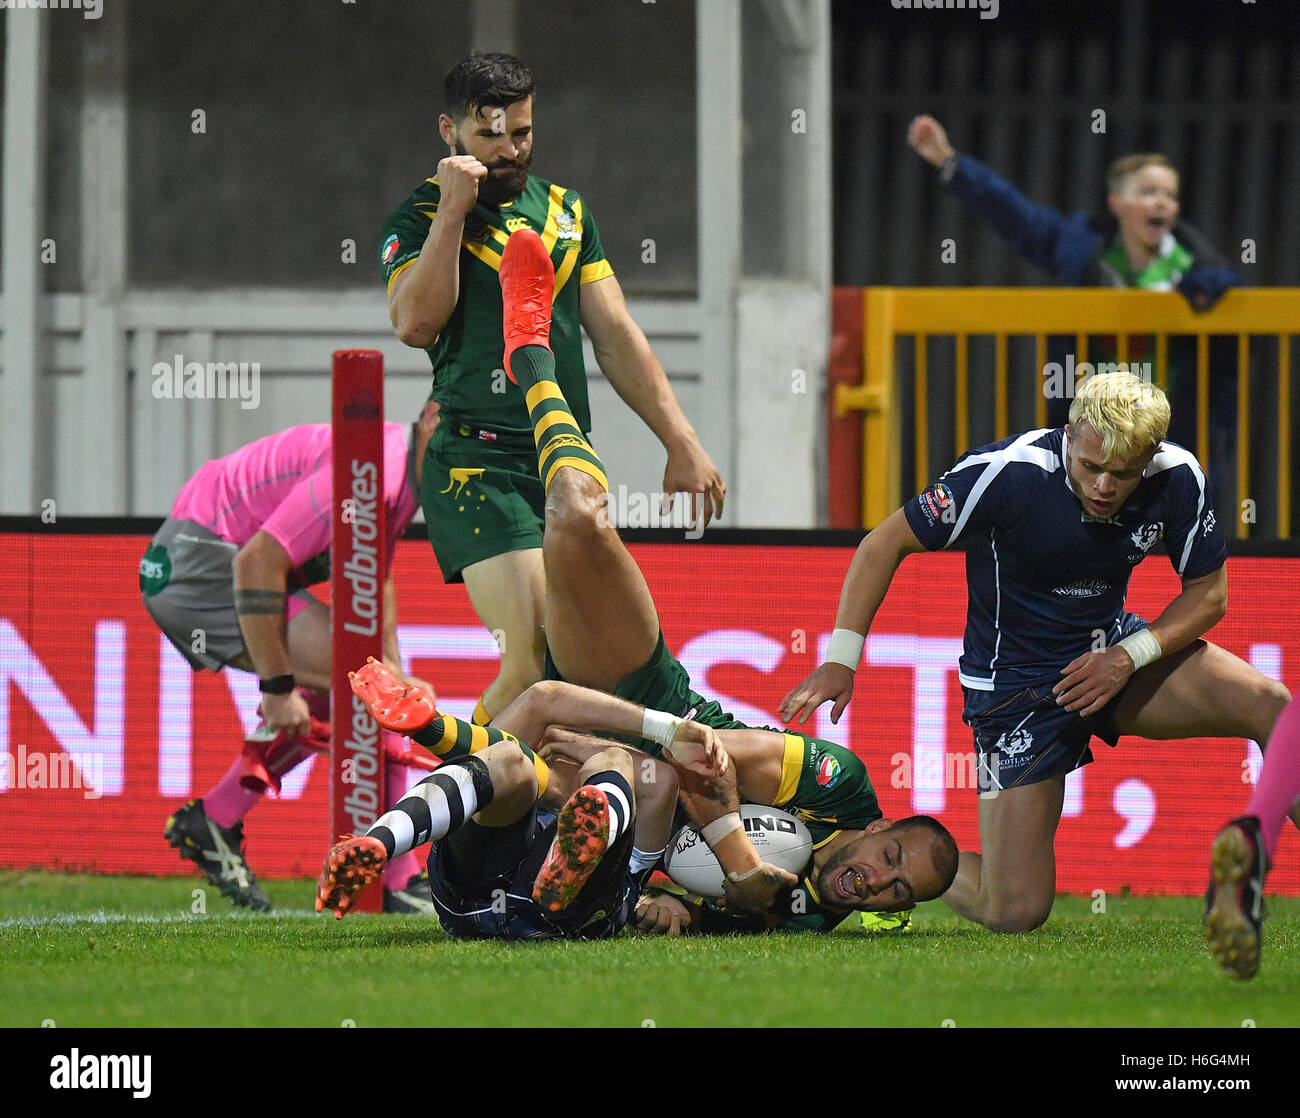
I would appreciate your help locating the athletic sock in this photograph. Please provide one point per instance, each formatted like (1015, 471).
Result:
(619, 794)
(435, 807)
(642, 860)
(560, 441)
(1279, 779)
(481, 716)
(228, 801)
(397, 871)
(449, 737)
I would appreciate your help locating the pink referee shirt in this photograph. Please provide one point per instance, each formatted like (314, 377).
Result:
(281, 485)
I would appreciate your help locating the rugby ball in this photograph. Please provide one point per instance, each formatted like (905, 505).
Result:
(777, 835)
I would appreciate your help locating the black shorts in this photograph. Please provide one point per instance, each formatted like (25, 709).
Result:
(482, 879)
(1023, 737)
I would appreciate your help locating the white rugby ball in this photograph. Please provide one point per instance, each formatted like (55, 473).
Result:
(778, 836)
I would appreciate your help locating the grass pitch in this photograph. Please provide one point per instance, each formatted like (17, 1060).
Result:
(108, 951)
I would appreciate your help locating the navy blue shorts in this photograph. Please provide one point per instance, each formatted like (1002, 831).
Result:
(1023, 737)
(482, 879)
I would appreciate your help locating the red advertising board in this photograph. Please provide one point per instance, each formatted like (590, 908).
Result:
(104, 729)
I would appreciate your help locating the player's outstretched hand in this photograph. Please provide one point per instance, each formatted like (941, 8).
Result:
(661, 914)
(1090, 681)
(691, 471)
(927, 138)
(830, 681)
(757, 892)
(699, 749)
(458, 179)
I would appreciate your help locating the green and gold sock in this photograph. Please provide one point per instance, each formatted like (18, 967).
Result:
(560, 442)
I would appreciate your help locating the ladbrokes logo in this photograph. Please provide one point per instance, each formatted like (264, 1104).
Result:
(361, 568)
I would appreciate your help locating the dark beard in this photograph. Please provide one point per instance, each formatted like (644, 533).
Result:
(498, 188)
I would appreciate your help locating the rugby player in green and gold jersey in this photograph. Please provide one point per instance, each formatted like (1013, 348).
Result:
(440, 253)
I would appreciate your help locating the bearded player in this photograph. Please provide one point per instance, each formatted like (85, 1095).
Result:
(440, 256)
(603, 636)
(1053, 523)
(225, 578)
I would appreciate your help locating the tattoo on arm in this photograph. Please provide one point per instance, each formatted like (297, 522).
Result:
(249, 602)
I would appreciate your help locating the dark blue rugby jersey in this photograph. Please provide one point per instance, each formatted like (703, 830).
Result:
(1041, 574)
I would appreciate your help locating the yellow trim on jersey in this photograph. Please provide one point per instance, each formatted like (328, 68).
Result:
(588, 468)
(791, 769)
(563, 272)
(400, 270)
(596, 270)
(542, 390)
(819, 845)
(550, 229)
(485, 253)
(543, 775)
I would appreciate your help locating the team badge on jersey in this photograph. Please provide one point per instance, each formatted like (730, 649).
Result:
(566, 227)
(1146, 536)
(390, 248)
(828, 771)
(938, 503)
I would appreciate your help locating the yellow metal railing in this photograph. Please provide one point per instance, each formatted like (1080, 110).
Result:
(926, 312)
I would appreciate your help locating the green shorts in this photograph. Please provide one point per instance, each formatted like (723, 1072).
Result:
(481, 498)
(661, 683)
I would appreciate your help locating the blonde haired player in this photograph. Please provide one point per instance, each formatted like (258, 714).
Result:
(1053, 522)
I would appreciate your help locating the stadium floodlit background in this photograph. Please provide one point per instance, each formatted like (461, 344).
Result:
(206, 181)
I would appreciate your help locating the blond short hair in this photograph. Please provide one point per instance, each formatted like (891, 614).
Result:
(1129, 165)
(1131, 415)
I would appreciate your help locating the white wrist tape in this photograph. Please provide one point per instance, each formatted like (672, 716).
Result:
(721, 827)
(845, 647)
(736, 878)
(1143, 646)
(659, 727)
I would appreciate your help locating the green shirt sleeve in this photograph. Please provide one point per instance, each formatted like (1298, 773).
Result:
(591, 258)
(405, 231)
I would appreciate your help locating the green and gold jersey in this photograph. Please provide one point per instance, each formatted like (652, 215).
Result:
(470, 348)
(827, 787)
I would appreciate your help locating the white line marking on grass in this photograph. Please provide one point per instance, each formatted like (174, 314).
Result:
(101, 917)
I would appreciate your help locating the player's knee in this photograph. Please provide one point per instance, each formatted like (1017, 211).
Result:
(511, 768)
(612, 760)
(1017, 917)
(577, 509)
(656, 783)
(1273, 697)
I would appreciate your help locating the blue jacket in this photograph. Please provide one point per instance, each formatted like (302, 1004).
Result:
(1071, 248)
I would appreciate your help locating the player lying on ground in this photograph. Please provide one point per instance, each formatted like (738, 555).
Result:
(226, 579)
(603, 634)
(1053, 522)
(1244, 851)
(501, 865)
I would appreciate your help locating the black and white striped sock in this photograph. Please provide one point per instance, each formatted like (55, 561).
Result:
(619, 794)
(436, 806)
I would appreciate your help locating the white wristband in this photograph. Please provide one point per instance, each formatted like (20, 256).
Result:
(721, 827)
(1143, 646)
(659, 727)
(845, 647)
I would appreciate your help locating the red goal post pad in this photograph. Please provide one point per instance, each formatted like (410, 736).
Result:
(356, 593)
